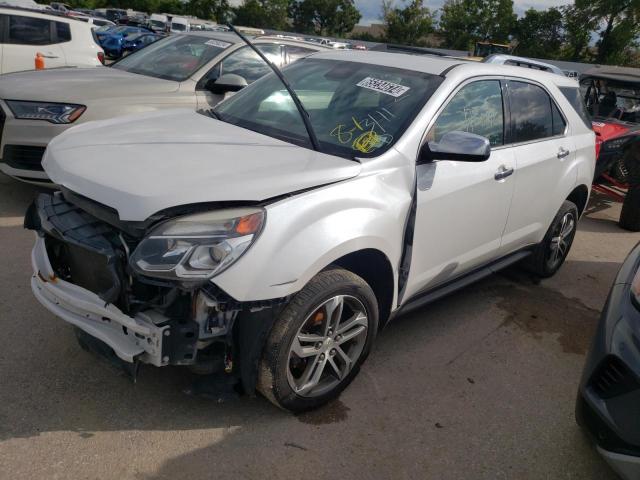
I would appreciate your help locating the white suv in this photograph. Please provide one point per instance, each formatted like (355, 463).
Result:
(62, 41)
(274, 244)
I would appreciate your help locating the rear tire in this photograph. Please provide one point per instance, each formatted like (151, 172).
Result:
(630, 215)
(549, 255)
(323, 335)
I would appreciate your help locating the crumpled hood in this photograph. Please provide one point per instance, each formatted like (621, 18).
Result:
(145, 163)
(80, 85)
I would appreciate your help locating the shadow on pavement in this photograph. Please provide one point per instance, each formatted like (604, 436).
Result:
(16, 196)
(58, 386)
(488, 373)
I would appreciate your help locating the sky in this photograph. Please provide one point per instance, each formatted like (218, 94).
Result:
(370, 9)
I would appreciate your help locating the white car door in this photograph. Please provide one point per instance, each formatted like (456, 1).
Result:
(544, 153)
(25, 37)
(462, 207)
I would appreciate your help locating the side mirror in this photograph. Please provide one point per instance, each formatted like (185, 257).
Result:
(229, 82)
(460, 146)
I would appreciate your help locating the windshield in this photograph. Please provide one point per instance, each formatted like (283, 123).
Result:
(356, 109)
(610, 99)
(179, 27)
(157, 23)
(105, 29)
(173, 58)
(134, 36)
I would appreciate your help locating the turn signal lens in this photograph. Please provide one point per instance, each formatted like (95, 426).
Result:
(249, 224)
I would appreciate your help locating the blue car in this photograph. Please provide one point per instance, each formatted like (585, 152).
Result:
(111, 39)
(137, 41)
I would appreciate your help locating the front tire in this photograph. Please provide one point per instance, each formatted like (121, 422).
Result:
(549, 255)
(319, 341)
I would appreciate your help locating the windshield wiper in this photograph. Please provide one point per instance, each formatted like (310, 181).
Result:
(212, 113)
(303, 113)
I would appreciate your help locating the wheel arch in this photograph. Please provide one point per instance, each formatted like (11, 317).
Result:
(579, 196)
(374, 267)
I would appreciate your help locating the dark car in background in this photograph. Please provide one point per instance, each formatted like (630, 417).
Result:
(116, 14)
(608, 405)
(112, 39)
(136, 41)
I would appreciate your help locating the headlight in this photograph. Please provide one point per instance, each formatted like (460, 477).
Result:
(198, 246)
(51, 112)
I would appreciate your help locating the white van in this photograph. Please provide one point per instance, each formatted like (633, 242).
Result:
(179, 25)
(62, 41)
(158, 23)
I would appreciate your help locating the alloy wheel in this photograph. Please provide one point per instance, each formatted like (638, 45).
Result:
(561, 240)
(327, 346)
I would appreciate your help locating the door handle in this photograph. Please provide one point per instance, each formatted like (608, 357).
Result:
(563, 152)
(49, 56)
(503, 172)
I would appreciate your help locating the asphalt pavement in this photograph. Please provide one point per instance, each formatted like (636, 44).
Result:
(480, 385)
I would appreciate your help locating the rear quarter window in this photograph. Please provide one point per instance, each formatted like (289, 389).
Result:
(63, 32)
(574, 97)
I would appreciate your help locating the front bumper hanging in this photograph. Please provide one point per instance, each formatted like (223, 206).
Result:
(129, 337)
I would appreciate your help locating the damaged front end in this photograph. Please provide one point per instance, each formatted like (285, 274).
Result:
(85, 273)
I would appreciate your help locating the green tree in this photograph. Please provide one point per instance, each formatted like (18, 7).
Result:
(324, 17)
(407, 25)
(540, 33)
(218, 10)
(464, 22)
(620, 27)
(579, 24)
(263, 14)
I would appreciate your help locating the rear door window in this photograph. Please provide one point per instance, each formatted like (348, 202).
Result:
(29, 31)
(559, 125)
(531, 114)
(63, 32)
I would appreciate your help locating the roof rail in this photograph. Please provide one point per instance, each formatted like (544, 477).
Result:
(393, 47)
(52, 12)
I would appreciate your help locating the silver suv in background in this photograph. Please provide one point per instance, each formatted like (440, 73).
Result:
(502, 59)
(193, 70)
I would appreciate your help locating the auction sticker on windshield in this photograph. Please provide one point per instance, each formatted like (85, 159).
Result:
(382, 86)
(217, 43)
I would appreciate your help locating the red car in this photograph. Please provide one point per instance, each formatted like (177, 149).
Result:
(612, 97)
